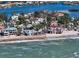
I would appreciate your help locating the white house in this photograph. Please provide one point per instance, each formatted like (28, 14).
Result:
(26, 15)
(36, 22)
(40, 19)
(15, 17)
(10, 31)
(29, 2)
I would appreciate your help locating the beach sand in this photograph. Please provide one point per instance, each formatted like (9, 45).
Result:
(22, 38)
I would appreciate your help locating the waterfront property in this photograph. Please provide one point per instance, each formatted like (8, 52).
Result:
(1, 28)
(38, 22)
(39, 29)
(9, 31)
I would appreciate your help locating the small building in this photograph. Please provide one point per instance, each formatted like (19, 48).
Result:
(70, 26)
(15, 17)
(2, 26)
(10, 31)
(53, 26)
(41, 19)
(59, 14)
(29, 32)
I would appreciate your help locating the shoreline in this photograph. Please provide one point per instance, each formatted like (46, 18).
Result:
(34, 38)
(38, 40)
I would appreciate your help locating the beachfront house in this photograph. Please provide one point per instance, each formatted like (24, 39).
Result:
(29, 2)
(28, 30)
(14, 18)
(40, 20)
(70, 26)
(1, 28)
(53, 26)
(10, 31)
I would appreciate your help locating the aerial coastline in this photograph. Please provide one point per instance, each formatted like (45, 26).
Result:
(37, 25)
(42, 37)
(39, 29)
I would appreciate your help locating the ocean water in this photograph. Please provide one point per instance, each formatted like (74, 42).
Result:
(46, 49)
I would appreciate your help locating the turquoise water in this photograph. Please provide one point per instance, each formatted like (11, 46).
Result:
(52, 49)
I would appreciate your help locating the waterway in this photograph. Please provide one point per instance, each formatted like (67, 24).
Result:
(50, 7)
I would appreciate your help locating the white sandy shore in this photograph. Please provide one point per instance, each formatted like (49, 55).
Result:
(65, 33)
(16, 39)
(36, 40)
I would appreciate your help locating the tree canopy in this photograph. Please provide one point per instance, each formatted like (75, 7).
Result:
(3, 17)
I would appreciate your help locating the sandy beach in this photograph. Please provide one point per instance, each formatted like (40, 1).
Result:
(64, 33)
(22, 38)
